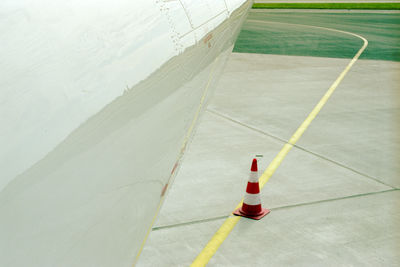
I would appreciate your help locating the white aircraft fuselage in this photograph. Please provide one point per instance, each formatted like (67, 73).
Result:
(99, 100)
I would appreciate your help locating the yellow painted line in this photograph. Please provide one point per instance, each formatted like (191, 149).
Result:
(187, 137)
(219, 237)
(274, 165)
(209, 250)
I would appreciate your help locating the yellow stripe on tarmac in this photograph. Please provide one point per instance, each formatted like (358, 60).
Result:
(219, 237)
(204, 257)
(274, 165)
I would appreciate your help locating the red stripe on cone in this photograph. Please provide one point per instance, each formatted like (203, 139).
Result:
(251, 207)
(254, 167)
(253, 188)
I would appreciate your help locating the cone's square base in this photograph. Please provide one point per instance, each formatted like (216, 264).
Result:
(258, 216)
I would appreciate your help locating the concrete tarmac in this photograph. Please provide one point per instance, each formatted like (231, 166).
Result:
(335, 198)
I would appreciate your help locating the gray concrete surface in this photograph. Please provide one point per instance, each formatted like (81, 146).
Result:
(345, 232)
(357, 128)
(334, 199)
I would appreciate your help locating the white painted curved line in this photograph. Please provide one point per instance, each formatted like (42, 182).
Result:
(296, 136)
(318, 27)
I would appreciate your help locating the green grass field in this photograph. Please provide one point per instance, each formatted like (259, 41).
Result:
(284, 33)
(366, 6)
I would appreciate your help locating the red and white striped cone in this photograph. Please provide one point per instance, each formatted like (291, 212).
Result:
(251, 207)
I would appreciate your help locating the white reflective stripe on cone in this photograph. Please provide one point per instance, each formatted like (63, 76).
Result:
(253, 177)
(252, 199)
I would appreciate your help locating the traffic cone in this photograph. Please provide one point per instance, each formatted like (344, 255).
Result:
(251, 207)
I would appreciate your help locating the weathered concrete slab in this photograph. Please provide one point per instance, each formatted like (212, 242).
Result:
(359, 126)
(274, 93)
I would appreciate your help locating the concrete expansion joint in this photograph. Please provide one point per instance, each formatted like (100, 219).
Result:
(274, 209)
(344, 166)
(285, 141)
(334, 199)
(216, 113)
(190, 222)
